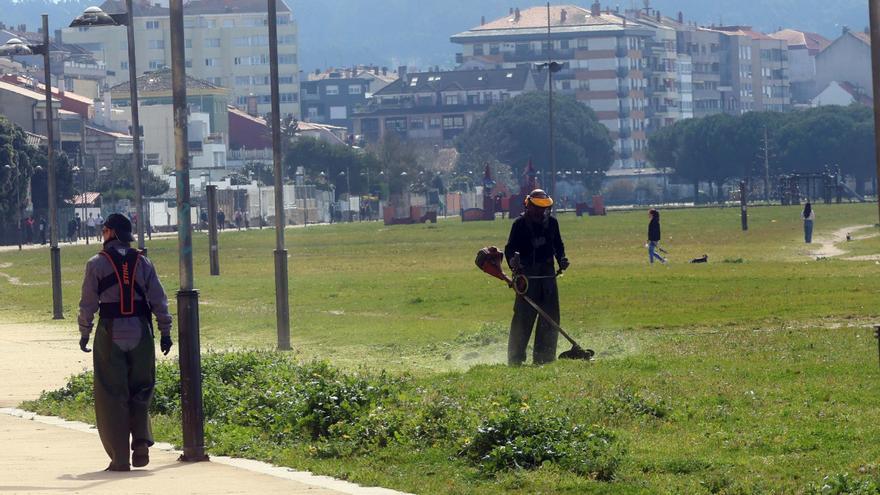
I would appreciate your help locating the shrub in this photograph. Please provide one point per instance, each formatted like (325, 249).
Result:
(519, 438)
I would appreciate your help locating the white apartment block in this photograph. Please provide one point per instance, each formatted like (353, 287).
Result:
(227, 44)
(607, 65)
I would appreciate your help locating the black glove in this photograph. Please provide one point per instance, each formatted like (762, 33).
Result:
(564, 264)
(165, 344)
(83, 342)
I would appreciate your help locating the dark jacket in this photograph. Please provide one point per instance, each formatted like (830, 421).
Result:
(654, 229)
(537, 243)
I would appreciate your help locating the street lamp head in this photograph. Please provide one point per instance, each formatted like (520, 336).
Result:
(38, 168)
(75, 169)
(92, 17)
(15, 47)
(103, 170)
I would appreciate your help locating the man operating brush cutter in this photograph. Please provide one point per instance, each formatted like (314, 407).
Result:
(533, 245)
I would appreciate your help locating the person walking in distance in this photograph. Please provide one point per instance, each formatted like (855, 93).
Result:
(121, 284)
(90, 225)
(221, 220)
(533, 244)
(654, 236)
(808, 215)
(99, 222)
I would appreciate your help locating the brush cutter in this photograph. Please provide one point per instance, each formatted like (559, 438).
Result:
(489, 260)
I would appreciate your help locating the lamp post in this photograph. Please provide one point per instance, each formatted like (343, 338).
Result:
(95, 17)
(552, 67)
(187, 296)
(9, 168)
(282, 302)
(16, 47)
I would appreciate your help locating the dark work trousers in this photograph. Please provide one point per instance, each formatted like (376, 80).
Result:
(124, 382)
(544, 293)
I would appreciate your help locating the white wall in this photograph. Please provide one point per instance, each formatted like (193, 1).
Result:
(847, 59)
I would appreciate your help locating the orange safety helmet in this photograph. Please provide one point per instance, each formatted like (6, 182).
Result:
(539, 198)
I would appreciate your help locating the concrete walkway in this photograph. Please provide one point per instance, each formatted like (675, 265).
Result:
(50, 455)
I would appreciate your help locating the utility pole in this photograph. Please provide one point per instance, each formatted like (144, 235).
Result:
(874, 10)
(766, 167)
(282, 302)
(54, 250)
(187, 297)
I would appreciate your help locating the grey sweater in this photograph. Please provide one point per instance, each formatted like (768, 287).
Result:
(123, 328)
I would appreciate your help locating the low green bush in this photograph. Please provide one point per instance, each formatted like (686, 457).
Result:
(519, 438)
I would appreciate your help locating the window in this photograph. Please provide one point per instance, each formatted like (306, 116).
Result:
(189, 63)
(478, 49)
(159, 44)
(242, 80)
(124, 65)
(450, 100)
(287, 59)
(287, 39)
(292, 98)
(354, 89)
(494, 49)
(416, 123)
(228, 23)
(188, 43)
(313, 112)
(286, 80)
(564, 45)
(212, 42)
(157, 64)
(212, 62)
(396, 124)
(434, 123)
(152, 24)
(338, 113)
(453, 122)
(331, 90)
(189, 22)
(216, 81)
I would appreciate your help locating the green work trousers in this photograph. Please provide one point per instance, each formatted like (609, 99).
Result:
(124, 383)
(543, 291)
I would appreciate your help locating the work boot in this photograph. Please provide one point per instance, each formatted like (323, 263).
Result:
(140, 456)
(115, 467)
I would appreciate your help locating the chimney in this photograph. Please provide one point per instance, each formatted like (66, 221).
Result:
(516, 15)
(401, 72)
(58, 38)
(384, 71)
(482, 20)
(680, 17)
(845, 29)
(22, 28)
(596, 9)
(659, 17)
(317, 72)
(562, 16)
(511, 11)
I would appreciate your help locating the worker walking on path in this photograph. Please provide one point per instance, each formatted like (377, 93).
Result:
(122, 285)
(535, 236)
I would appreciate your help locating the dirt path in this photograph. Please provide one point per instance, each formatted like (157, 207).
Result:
(828, 244)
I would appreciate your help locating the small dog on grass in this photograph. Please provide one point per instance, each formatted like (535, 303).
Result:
(701, 259)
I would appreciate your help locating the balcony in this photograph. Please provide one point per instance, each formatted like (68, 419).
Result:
(534, 55)
(625, 132)
(624, 113)
(623, 72)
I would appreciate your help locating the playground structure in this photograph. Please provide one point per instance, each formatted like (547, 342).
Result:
(810, 186)
(409, 208)
(491, 201)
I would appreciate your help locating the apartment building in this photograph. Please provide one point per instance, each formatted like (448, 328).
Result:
(435, 107)
(803, 47)
(227, 44)
(847, 59)
(331, 97)
(605, 63)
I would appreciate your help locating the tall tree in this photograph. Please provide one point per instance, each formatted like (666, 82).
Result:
(516, 130)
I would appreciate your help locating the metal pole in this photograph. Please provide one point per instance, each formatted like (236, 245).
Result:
(214, 250)
(282, 303)
(766, 167)
(743, 203)
(137, 164)
(874, 9)
(54, 250)
(82, 180)
(18, 207)
(550, 79)
(187, 296)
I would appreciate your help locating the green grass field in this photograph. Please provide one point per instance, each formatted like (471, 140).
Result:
(762, 362)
